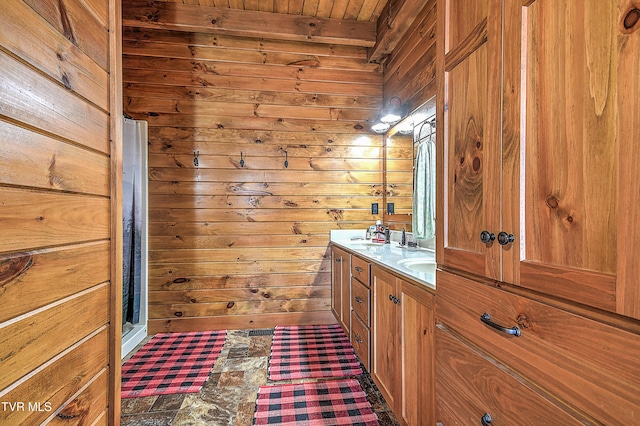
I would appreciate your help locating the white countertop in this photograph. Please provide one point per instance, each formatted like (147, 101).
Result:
(392, 256)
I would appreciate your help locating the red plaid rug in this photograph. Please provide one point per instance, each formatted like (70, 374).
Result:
(319, 403)
(312, 351)
(172, 363)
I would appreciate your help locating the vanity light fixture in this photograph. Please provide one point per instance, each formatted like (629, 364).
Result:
(379, 126)
(389, 115)
(406, 127)
(393, 112)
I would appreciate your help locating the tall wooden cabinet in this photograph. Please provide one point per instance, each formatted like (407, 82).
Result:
(538, 203)
(539, 150)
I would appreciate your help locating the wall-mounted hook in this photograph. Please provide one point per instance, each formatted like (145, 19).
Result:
(241, 160)
(286, 159)
(195, 158)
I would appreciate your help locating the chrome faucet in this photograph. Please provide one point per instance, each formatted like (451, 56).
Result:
(403, 240)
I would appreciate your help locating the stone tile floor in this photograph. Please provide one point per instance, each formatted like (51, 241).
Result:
(228, 397)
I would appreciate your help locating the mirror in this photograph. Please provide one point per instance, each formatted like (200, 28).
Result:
(398, 175)
(401, 146)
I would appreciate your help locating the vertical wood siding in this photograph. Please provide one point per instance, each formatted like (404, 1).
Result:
(55, 217)
(246, 246)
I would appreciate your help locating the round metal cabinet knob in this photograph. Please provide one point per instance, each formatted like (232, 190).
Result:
(487, 237)
(504, 238)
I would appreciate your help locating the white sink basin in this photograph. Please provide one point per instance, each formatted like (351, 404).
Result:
(419, 265)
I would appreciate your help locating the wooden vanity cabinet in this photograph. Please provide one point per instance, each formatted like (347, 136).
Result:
(391, 327)
(403, 346)
(341, 287)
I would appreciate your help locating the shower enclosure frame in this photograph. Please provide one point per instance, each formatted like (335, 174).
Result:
(136, 132)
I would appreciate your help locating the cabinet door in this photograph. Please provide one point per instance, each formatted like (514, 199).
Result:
(385, 358)
(336, 283)
(346, 293)
(417, 334)
(340, 287)
(579, 67)
(468, 132)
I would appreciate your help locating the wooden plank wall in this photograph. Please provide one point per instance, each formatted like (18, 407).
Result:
(409, 74)
(245, 246)
(410, 70)
(55, 214)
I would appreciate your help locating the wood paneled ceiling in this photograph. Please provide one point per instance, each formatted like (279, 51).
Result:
(357, 10)
(377, 25)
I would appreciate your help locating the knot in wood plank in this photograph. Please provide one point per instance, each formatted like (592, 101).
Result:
(11, 268)
(631, 20)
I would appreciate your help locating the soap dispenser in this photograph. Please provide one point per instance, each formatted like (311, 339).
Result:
(378, 235)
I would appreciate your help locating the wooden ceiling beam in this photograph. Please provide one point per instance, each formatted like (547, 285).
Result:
(245, 23)
(394, 21)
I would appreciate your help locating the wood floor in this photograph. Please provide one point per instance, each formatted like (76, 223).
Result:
(228, 397)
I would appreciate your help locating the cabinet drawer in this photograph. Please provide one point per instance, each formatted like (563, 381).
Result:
(587, 364)
(360, 270)
(469, 386)
(360, 339)
(360, 297)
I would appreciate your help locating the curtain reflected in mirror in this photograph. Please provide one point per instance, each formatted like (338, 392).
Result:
(409, 175)
(423, 219)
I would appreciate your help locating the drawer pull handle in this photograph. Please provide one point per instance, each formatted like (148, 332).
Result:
(358, 299)
(358, 339)
(391, 297)
(359, 269)
(513, 331)
(486, 419)
(338, 260)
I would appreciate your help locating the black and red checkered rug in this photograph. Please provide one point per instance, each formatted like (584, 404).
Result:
(312, 351)
(334, 402)
(172, 363)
